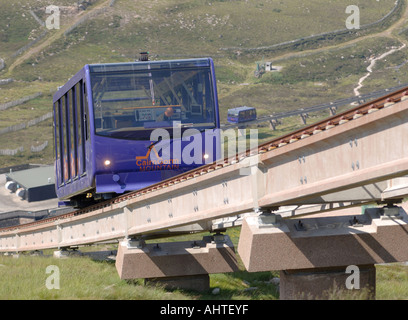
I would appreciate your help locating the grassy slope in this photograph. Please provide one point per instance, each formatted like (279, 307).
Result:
(174, 28)
(84, 278)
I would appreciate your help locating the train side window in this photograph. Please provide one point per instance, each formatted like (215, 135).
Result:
(86, 114)
(68, 133)
(79, 113)
(64, 138)
(61, 140)
(57, 140)
(56, 130)
(73, 126)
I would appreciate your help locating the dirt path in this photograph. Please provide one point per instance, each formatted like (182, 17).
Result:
(385, 33)
(371, 66)
(55, 35)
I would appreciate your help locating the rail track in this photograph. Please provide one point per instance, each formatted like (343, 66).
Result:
(100, 211)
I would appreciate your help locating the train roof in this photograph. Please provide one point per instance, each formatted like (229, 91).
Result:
(129, 66)
(242, 108)
(149, 65)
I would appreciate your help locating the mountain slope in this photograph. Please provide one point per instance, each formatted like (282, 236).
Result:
(235, 33)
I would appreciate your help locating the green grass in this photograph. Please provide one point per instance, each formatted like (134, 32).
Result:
(25, 112)
(392, 282)
(16, 25)
(19, 89)
(32, 136)
(82, 278)
(223, 24)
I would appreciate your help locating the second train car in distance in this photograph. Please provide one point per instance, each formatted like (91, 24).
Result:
(241, 114)
(105, 117)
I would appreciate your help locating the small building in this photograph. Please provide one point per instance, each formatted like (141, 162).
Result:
(268, 66)
(35, 184)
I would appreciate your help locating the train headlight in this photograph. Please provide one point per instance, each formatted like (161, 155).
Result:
(107, 163)
(206, 156)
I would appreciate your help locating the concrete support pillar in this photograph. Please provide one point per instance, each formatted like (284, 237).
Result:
(303, 117)
(241, 132)
(272, 124)
(184, 264)
(333, 111)
(328, 283)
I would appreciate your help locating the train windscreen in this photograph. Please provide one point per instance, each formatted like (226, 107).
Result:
(129, 102)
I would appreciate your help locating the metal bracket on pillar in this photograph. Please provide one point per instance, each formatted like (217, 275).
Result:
(390, 211)
(218, 237)
(299, 226)
(134, 243)
(356, 222)
(62, 252)
(195, 245)
(268, 219)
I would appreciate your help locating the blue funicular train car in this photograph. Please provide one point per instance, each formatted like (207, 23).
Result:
(241, 114)
(120, 127)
